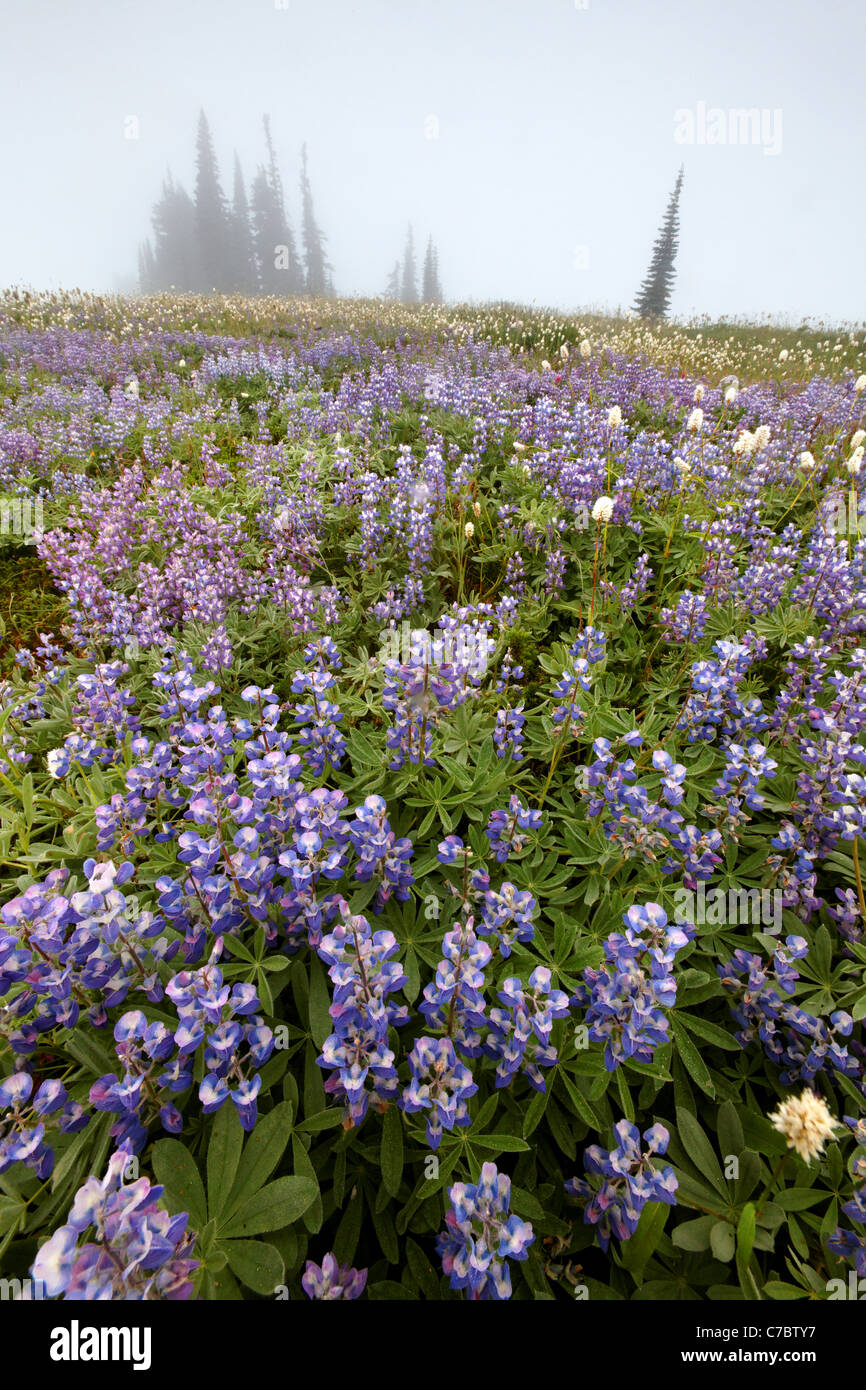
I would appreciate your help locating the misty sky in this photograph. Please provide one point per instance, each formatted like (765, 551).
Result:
(535, 139)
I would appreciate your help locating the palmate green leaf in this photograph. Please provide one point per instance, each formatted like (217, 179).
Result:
(731, 1137)
(691, 1058)
(391, 1151)
(278, 1204)
(388, 1291)
(349, 1230)
(386, 1234)
(257, 1264)
(223, 1156)
(262, 1152)
(709, 1032)
(700, 1150)
(303, 1165)
(800, 1198)
(501, 1143)
(638, 1251)
(321, 1023)
(175, 1168)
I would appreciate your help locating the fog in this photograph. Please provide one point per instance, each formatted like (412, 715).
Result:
(536, 141)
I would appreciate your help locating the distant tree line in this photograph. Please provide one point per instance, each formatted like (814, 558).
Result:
(246, 244)
(403, 280)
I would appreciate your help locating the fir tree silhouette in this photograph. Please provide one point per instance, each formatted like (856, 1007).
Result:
(654, 295)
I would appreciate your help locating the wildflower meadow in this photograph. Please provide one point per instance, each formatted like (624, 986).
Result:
(432, 804)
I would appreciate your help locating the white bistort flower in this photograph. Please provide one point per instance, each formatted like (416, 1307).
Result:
(857, 438)
(806, 1124)
(860, 384)
(730, 395)
(745, 444)
(585, 348)
(614, 416)
(807, 460)
(854, 463)
(695, 421)
(762, 437)
(699, 393)
(603, 509)
(469, 530)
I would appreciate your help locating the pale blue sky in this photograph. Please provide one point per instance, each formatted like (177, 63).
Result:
(556, 132)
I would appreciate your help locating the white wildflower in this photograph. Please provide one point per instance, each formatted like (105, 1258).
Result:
(762, 437)
(806, 1124)
(603, 509)
(614, 417)
(696, 420)
(745, 444)
(469, 530)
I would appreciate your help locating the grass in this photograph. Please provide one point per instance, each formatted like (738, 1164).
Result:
(29, 602)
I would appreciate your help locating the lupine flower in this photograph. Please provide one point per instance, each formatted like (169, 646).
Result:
(626, 998)
(481, 1235)
(441, 1084)
(622, 1181)
(139, 1251)
(332, 1280)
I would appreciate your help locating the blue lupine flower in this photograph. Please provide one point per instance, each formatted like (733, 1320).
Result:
(622, 1181)
(332, 1280)
(481, 1235)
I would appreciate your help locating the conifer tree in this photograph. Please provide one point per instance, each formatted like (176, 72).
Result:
(654, 295)
(280, 269)
(174, 261)
(409, 277)
(431, 289)
(392, 289)
(211, 216)
(243, 268)
(316, 266)
(147, 279)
